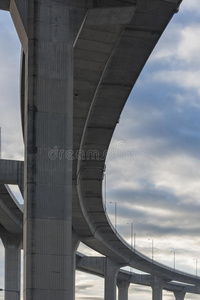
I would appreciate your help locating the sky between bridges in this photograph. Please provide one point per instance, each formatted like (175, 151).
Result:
(153, 165)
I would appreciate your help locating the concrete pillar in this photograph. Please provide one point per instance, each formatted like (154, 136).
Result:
(157, 288)
(110, 276)
(179, 295)
(123, 286)
(50, 28)
(13, 246)
(75, 244)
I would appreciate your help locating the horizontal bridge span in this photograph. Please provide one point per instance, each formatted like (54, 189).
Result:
(95, 266)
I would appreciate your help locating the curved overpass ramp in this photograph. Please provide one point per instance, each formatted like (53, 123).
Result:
(110, 50)
(11, 216)
(129, 53)
(11, 213)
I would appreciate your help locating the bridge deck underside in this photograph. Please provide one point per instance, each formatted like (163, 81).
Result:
(109, 55)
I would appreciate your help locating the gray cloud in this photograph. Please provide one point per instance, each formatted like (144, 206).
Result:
(89, 298)
(158, 213)
(159, 191)
(83, 287)
(10, 122)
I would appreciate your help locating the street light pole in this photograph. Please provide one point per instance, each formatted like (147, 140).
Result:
(115, 215)
(131, 235)
(152, 247)
(196, 264)
(105, 190)
(174, 258)
(134, 241)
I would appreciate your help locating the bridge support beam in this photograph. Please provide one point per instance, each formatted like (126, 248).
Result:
(123, 286)
(75, 243)
(179, 295)
(110, 274)
(13, 246)
(157, 288)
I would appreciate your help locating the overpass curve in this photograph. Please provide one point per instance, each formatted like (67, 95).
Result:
(125, 63)
(108, 58)
(11, 212)
(11, 216)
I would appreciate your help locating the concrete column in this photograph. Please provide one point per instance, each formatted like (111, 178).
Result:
(48, 125)
(123, 286)
(179, 295)
(75, 244)
(13, 247)
(110, 276)
(157, 288)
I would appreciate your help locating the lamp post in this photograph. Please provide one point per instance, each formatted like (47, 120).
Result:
(131, 235)
(174, 257)
(12, 291)
(151, 247)
(105, 190)
(134, 241)
(196, 264)
(115, 215)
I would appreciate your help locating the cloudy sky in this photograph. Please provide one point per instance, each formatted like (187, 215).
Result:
(153, 166)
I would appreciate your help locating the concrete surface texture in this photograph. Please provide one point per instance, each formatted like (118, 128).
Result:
(80, 62)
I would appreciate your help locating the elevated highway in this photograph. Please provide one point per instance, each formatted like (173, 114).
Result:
(95, 266)
(11, 216)
(107, 49)
(108, 59)
(98, 120)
